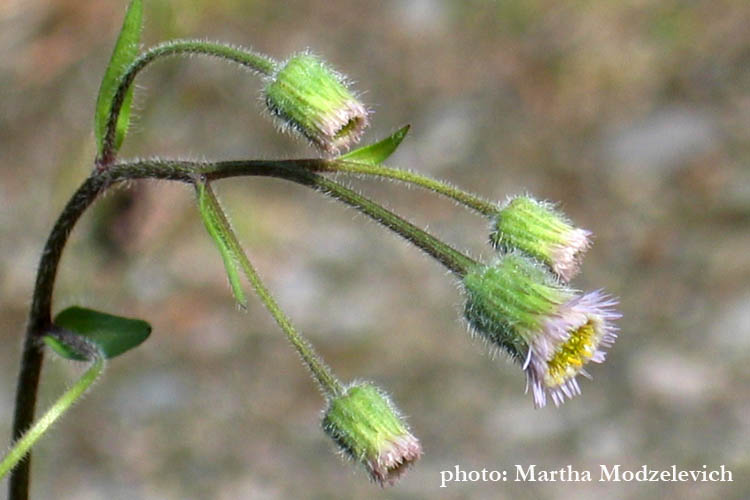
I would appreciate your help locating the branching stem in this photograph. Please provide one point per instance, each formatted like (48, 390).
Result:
(299, 171)
(443, 188)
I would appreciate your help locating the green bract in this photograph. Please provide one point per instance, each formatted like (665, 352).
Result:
(507, 302)
(221, 232)
(380, 151)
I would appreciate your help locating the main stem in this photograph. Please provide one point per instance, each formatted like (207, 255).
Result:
(39, 321)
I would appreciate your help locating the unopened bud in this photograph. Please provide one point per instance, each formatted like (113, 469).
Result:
(543, 232)
(365, 425)
(312, 99)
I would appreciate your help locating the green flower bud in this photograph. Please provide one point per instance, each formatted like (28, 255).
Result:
(543, 232)
(551, 330)
(308, 97)
(365, 425)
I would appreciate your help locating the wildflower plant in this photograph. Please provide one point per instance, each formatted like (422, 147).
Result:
(520, 303)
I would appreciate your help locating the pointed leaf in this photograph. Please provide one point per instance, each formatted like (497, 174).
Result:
(219, 229)
(113, 334)
(379, 151)
(124, 53)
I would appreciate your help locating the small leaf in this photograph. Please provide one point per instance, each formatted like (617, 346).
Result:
(114, 335)
(124, 53)
(379, 151)
(219, 229)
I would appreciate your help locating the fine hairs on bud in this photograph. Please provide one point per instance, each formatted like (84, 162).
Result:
(541, 231)
(307, 97)
(366, 426)
(550, 330)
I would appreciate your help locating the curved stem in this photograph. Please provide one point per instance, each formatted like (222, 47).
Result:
(254, 61)
(39, 321)
(465, 198)
(24, 444)
(322, 372)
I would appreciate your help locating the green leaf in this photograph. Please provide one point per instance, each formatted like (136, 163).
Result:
(218, 227)
(124, 53)
(114, 335)
(379, 151)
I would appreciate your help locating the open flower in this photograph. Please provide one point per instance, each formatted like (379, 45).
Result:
(549, 329)
(365, 425)
(308, 97)
(543, 232)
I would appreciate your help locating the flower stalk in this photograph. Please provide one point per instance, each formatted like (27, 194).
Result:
(254, 61)
(214, 216)
(469, 200)
(24, 443)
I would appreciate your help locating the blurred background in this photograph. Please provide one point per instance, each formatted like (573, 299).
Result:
(634, 116)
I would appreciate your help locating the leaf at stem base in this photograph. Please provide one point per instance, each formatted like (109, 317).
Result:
(113, 335)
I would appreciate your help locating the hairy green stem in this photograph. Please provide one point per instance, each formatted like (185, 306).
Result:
(24, 444)
(322, 372)
(465, 198)
(451, 258)
(256, 62)
(301, 172)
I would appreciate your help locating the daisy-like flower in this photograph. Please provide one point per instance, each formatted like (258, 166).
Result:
(366, 426)
(541, 231)
(310, 98)
(549, 329)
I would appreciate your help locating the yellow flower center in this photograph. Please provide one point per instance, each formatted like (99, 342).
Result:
(570, 356)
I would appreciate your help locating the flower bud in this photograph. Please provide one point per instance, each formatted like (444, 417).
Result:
(310, 98)
(364, 424)
(543, 232)
(551, 330)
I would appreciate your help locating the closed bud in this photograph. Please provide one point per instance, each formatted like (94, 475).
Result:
(310, 98)
(550, 330)
(365, 425)
(543, 232)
